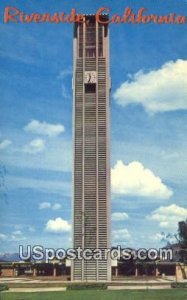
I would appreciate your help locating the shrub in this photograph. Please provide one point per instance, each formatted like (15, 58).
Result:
(180, 285)
(3, 287)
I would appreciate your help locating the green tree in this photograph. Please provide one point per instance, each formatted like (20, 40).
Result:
(182, 239)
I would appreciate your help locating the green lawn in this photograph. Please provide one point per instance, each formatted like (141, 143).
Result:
(172, 294)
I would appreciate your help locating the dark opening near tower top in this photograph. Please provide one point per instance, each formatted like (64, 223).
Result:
(90, 36)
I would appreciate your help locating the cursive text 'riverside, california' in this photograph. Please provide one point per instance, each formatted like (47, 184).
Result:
(14, 15)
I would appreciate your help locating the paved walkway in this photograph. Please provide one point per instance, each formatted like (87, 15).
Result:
(33, 290)
(125, 281)
(39, 285)
(26, 280)
(139, 287)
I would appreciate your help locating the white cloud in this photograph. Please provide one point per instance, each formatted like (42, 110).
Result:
(18, 226)
(119, 216)
(168, 216)
(164, 238)
(52, 160)
(158, 237)
(35, 146)
(31, 229)
(49, 186)
(17, 232)
(121, 235)
(64, 92)
(64, 73)
(57, 226)
(159, 90)
(4, 144)
(16, 238)
(45, 205)
(135, 179)
(2, 237)
(56, 206)
(44, 128)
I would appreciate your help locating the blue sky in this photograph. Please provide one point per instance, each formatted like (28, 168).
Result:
(148, 126)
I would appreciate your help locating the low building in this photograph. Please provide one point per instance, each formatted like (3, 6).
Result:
(53, 269)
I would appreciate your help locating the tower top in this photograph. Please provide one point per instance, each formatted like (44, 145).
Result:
(104, 18)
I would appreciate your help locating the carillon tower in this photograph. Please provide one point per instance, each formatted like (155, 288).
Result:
(91, 108)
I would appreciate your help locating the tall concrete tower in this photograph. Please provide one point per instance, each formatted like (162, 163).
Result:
(91, 88)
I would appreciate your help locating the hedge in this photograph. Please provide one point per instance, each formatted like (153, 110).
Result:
(3, 287)
(180, 285)
(87, 286)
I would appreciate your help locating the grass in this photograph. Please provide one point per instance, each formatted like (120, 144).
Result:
(170, 294)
